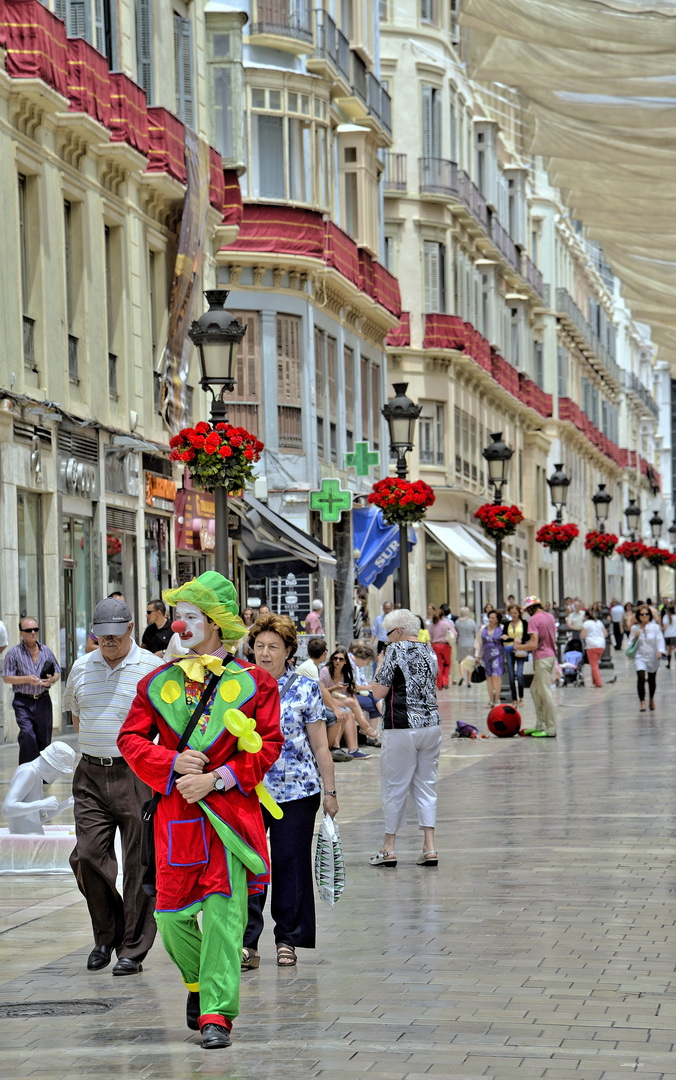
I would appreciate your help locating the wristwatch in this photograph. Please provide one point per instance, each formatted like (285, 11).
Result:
(330, 793)
(219, 783)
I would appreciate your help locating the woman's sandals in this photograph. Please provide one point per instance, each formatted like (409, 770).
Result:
(250, 959)
(286, 956)
(428, 858)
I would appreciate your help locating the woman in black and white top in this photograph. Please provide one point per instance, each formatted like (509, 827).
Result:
(411, 737)
(669, 630)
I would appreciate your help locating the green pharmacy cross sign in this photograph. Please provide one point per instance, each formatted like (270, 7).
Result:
(362, 460)
(331, 500)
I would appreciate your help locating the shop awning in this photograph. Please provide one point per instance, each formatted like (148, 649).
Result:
(376, 546)
(455, 538)
(269, 545)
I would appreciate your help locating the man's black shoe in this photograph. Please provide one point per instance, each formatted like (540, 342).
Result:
(99, 957)
(192, 1010)
(215, 1037)
(127, 966)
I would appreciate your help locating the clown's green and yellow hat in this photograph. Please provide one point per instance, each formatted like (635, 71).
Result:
(216, 597)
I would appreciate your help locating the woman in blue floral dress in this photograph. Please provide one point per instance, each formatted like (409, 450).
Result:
(295, 781)
(493, 655)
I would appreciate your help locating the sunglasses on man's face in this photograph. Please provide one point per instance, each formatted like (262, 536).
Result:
(31, 630)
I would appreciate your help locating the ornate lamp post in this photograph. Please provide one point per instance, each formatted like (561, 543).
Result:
(401, 414)
(498, 456)
(633, 516)
(559, 482)
(656, 523)
(216, 335)
(602, 500)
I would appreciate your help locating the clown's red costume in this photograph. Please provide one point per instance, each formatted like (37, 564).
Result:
(212, 852)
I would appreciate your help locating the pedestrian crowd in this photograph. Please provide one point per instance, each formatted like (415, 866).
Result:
(211, 752)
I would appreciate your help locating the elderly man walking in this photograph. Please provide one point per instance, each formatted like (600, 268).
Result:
(31, 669)
(108, 796)
(542, 643)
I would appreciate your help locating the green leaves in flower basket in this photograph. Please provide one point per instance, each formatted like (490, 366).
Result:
(402, 502)
(218, 457)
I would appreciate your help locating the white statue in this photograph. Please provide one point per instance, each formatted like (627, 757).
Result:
(25, 806)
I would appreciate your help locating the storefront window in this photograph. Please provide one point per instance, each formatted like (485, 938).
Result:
(121, 558)
(158, 565)
(31, 599)
(76, 594)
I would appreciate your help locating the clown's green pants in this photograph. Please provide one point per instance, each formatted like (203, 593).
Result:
(210, 960)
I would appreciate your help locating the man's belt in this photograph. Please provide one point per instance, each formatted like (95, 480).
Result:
(92, 759)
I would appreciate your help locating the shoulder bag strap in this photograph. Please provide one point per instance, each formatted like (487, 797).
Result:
(151, 806)
(288, 684)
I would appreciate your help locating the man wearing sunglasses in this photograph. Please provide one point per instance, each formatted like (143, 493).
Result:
(31, 669)
(158, 632)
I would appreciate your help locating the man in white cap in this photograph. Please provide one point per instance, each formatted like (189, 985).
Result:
(25, 806)
(542, 643)
(108, 796)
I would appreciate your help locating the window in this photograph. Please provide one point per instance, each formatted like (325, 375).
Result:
(104, 38)
(71, 267)
(428, 11)
(320, 386)
(90, 19)
(431, 122)
(289, 412)
(270, 140)
(453, 128)
(223, 77)
(144, 47)
(112, 239)
(332, 391)
(538, 364)
(183, 69)
(244, 410)
(434, 276)
(351, 200)
(348, 375)
(30, 548)
(364, 398)
(431, 433)
(376, 403)
(289, 153)
(562, 373)
(25, 268)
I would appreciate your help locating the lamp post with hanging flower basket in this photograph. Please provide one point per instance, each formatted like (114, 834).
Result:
(602, 500)
(656, 555)
(218, 464)
(633, 516)
(502, 522)
(558, 484)
(401, 414)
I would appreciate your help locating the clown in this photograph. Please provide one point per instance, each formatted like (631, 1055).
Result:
(210, 844)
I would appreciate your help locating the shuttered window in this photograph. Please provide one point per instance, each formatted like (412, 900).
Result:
(320, 386)
(364, 398)
(332, 390)
(289, 411)
(144, 51)
(348, 369)
(434, 287)
(183, 69)
(431, 122)
(244, 410)
(270, 156)
(375, 404)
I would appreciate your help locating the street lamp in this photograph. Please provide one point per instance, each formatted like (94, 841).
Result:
(216, 336)
(602, 500)
(401, 414)
(559, 482)
(498, 456)
(672, 536)
(656, 523)
(633, 515)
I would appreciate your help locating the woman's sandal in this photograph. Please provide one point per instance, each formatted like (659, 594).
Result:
(286, 956)
(384, 858)
(250, 959)
(428, 858)
(373, 740)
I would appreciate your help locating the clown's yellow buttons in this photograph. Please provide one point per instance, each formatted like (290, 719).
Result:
(170, 692)
(230, 690)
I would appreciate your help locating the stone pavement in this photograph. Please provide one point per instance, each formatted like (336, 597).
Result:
(542, 946)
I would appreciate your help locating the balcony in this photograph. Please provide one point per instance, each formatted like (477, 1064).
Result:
(634, 386)
(359, 78)
(331, 58)
(366, 99)
(586, 338)
(394, 177)
(29, 343)
(438, 177)
(505, 245)
(379, 102)
(531, 274)
(474, 201)
(290, 427)
(279, 24)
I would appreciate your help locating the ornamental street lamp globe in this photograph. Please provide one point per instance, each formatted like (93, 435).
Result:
(559, 482)
(216, 335)
(401, 414)
(497, 456)
(632, 514)
(602, 500)
(656, 524)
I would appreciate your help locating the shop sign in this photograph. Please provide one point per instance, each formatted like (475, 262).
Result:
(78, 478)
(195, 513)
(160, 492)
(121, 472)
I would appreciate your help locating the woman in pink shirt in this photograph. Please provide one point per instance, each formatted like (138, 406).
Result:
(441, 631)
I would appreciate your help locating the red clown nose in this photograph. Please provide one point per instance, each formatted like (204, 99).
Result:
(179, 627)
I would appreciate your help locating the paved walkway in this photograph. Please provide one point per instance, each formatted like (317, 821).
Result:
(543, 946)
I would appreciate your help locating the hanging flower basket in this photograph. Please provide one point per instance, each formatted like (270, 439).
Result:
(671, 561)
(557, 537)
(498, 521)
(601, 544)
(657, 556)
(113, 546)
(218, 457)
(632, 550)
(402, 502)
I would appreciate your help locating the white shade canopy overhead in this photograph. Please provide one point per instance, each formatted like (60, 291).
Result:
(599, 82)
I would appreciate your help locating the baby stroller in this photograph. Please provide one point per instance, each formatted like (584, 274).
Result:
(571, 665)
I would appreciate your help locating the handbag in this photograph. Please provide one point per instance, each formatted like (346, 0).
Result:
(479, 674)
(632, 648)
(150, 806)
(329, 862)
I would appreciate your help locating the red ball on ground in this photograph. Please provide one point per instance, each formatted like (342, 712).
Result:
(504, 721)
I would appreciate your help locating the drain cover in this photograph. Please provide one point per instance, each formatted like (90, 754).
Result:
(53, 1008)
